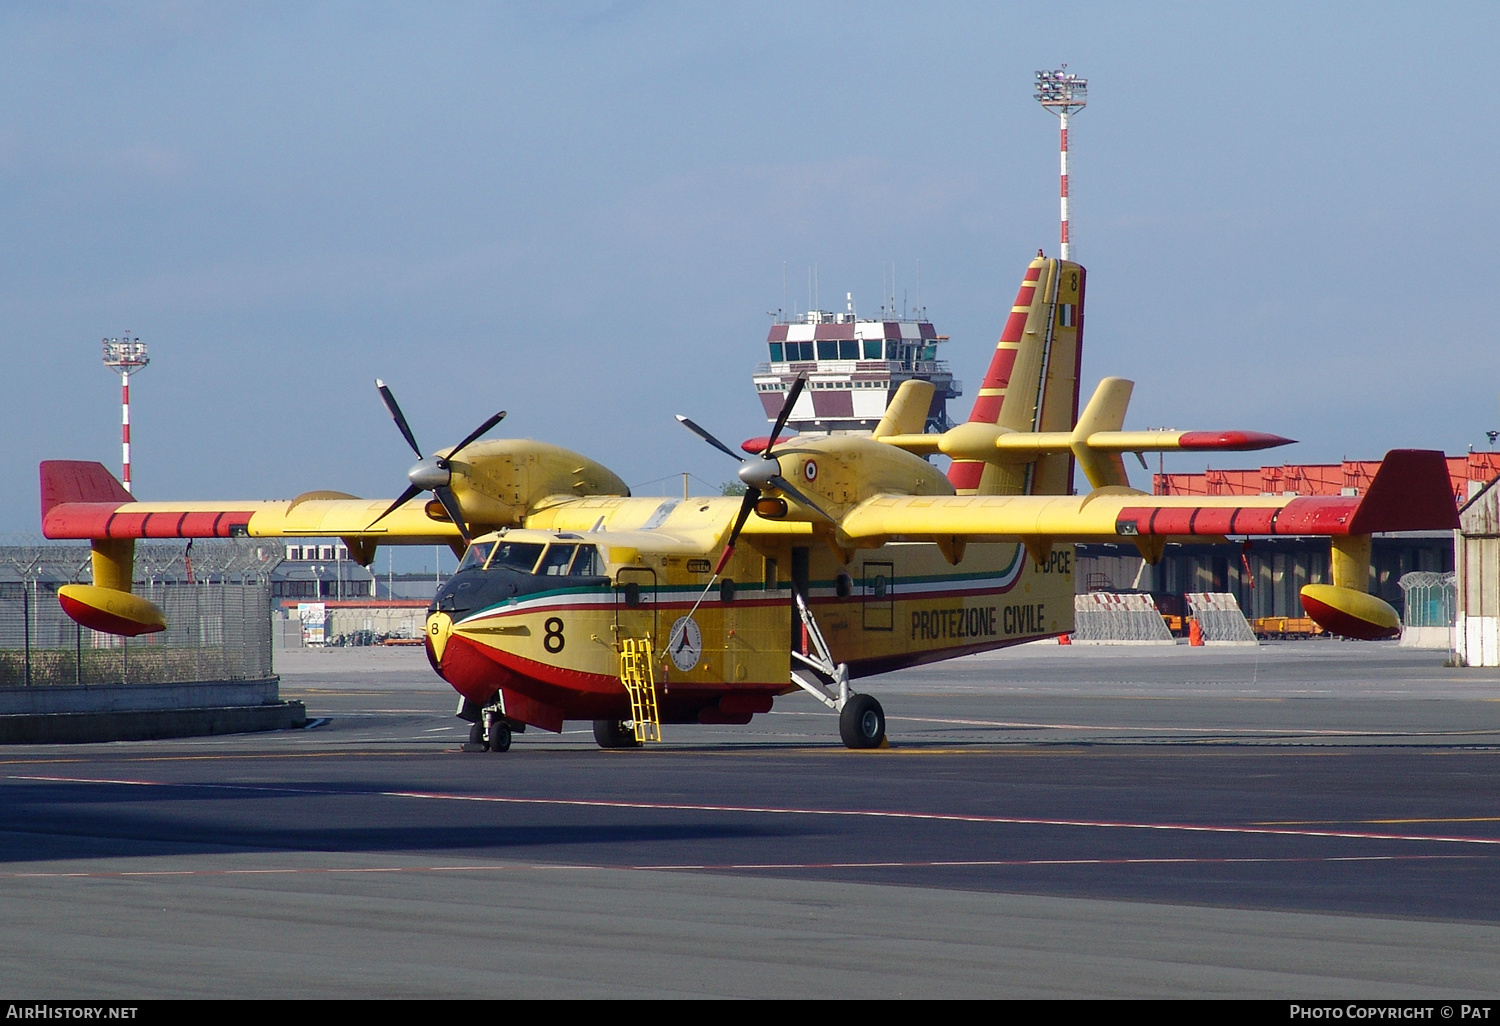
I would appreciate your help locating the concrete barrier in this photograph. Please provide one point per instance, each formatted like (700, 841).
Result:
(139, 712)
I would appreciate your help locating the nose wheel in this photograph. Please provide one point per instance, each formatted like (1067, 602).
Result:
(862, 722)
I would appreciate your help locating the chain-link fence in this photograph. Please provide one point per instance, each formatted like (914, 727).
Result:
(214, 632)
(1431, 599)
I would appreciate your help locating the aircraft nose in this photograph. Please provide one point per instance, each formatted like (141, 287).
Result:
(439, 628)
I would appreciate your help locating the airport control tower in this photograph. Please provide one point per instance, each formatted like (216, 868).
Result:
(853, 368)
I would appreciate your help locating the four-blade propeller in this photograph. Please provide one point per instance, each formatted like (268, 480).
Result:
(758, 474)
(430, 473)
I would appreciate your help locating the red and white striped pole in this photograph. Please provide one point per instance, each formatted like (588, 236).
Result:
(1067, 248)
(125, 355)
(125, 427)
(1064, 94)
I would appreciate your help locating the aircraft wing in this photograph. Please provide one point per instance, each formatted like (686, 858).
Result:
(1410, 492)
(83, 500)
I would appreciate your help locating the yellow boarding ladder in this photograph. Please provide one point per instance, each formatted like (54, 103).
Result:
(637, 673)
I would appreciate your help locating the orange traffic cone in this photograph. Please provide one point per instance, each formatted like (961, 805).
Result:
(1195, 633)
(1065, 639)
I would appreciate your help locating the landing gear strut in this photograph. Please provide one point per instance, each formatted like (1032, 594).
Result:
(489, 728)
(861, 719)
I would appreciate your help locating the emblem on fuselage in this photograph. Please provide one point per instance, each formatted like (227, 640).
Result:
(685, 644)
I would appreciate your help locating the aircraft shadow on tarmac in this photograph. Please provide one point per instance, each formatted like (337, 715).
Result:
(75, 820)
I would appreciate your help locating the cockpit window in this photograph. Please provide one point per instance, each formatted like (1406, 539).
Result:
(555, 562)
(476, 556)
(587, 563)
(517, 555)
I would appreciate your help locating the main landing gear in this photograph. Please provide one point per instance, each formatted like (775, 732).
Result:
(615, 734)
(861, 719)
(862, 722)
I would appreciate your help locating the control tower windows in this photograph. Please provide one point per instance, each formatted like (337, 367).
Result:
(872, 349)
(828, 350)
(849, 350)
(776, 356)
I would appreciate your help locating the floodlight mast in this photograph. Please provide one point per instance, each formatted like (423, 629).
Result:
(126, 356)
(1064, 94)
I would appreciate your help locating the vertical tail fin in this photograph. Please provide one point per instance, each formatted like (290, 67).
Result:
(1104, 412)
(1032, 382)
(907, 412)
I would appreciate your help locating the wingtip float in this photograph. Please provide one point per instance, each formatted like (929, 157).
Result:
(111, 611)
(1353, 614)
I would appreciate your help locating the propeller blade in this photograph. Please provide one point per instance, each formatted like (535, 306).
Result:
(481, 429)
(411, 492)
(710, 439)
(450, 503)
(784, 485)
(752, 496)
(786, 411)
(396, 415)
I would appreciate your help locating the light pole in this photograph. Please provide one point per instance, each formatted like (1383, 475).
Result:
(125, 355)
(1064, 94)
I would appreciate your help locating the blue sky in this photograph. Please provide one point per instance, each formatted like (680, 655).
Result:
(580, 213)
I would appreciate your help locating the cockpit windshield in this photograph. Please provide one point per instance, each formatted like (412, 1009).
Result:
(571, 561)
(559, 560)
(478, 554)
(587, 563)
(517, 555)
(555, 562)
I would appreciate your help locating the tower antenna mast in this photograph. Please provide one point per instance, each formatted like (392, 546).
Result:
(125, 355)
(1064, 94)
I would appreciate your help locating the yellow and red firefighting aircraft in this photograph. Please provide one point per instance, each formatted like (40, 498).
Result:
(847, 556)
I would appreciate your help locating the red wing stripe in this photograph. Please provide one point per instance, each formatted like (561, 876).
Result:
(101, 520)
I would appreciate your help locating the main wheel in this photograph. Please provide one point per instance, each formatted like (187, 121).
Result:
(862, 722)
(614, 734)
(476, 738)
(499, 736)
